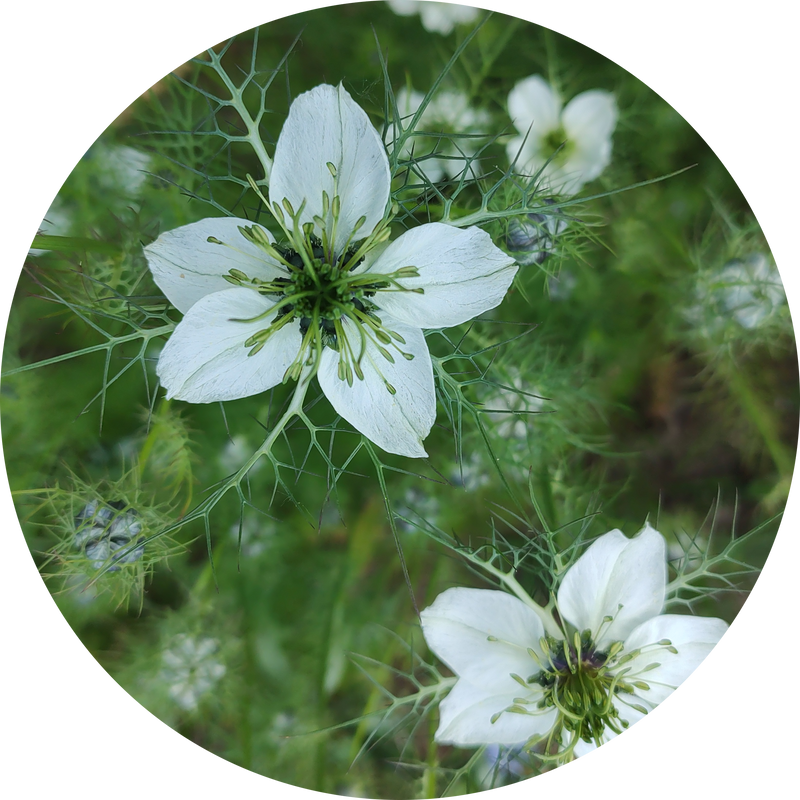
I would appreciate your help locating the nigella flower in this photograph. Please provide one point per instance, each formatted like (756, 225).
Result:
(575, 681)
(512, 411)
(582, 130)
(336, 298)
(449, 112)
(750, 289)
(436, 17)
(191, 669)
(102, 530)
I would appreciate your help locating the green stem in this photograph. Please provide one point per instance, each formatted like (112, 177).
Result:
(145, 335)
(761, 417)
(508, 579)
(236, 101)
(294, 409)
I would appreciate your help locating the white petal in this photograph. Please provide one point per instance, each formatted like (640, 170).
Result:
(581, 167)
(186, 266)
(616, 577)
(465, 718)
(696, 639)
(590, 117)
(325, 126)
(461, 273)
(533, 102)
(398, 422)
(693, 637)
(404, 8)
(524, 154)
(205, 359)
(589, 120)
(483, 636)
(441, 17)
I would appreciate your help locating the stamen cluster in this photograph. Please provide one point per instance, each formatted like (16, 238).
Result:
(578, 681)
(323, 289)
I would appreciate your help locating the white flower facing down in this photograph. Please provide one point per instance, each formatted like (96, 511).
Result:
(335, 298)
(584, 127)
(436, 17)
(579, 683)
(448, 112)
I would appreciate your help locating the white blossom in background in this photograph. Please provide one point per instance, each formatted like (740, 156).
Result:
(471, 474)
(257, 534)
(417, 506)
(191, 669)
(501, 763)
(751, 289)
(746, 290)
(561, 286)
(584, 126)
(449, 112)
(337, 299)
(512, 411)
(236, 451)
(436, 17)
(121, 168)
(526, 677)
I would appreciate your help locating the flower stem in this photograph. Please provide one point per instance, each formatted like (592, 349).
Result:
(294, 409)
(759, 414)
(511, 583)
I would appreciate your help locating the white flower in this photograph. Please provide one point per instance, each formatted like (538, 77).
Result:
(448, 112)
(751, 289)
(337, 299)
(511, 411)
(578, 683)
(470, 473)
(584, 127)
(436, 17)
(236, 451)
(190, 669)
(745, 293)
(120, 168)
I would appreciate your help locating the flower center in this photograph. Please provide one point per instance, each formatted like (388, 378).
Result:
(577, 680)
(324, 292)
(557, 143)
(582, 683)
